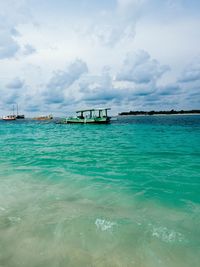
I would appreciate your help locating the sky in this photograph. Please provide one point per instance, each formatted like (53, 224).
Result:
(57, 56)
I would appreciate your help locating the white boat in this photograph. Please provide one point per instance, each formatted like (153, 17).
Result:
(9, 118)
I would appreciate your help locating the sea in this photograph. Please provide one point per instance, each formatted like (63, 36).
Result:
(125, 194)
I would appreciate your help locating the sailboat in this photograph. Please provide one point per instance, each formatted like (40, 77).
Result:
(10, 117)
(19, 116)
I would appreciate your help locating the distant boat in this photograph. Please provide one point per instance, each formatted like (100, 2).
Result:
(95, 116)
(9, 118)
(44, 118)
(18, 117)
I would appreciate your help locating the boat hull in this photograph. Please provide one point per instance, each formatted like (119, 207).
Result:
(20, 117)
(44, 118)
(9, 119)
(87, 121)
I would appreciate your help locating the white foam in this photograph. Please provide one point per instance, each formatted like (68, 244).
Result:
(14, 219)
(167, 235)
(104, 225)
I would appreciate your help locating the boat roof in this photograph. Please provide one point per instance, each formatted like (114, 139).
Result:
(92, 109)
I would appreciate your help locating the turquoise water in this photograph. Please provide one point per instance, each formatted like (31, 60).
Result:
(124, 194)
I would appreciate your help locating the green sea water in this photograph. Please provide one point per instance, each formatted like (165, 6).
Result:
(124, 194)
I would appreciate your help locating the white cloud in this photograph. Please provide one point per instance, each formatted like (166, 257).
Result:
(140, 68)
(16, 83)
(191, 73)
(62, 80)
(28, 50)
(138, 39)
(12, 14)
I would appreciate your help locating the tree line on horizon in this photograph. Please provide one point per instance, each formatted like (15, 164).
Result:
(164, 112)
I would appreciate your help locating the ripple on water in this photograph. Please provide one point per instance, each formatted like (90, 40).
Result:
(119, 195)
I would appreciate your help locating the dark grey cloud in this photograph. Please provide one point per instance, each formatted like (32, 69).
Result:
(140, 68)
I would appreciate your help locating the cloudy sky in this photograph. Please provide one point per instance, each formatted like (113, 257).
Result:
(57, 56)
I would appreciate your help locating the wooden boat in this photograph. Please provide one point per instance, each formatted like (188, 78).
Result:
(94, 116)
(44, 118)
(9, 118)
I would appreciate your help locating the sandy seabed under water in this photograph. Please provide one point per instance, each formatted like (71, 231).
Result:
(64, 223)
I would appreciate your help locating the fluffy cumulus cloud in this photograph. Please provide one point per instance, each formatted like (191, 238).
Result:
(28, 50)
(140, 68)
(8, 46)
(16, 83)
(12, 14)
(189, 82)
(138, 78)
(111, 27)
(132, 54)
(99, 89)
(62, 80)
(191, 73)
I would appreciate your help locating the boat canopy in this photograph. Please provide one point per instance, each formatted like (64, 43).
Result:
(93, 109)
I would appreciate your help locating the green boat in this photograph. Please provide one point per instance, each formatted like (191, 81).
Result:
(97, 116)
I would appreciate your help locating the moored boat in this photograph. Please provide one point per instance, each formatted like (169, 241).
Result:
(92, 116)
(9, 118)
(13, 116)
(19, 116)
(44, 118)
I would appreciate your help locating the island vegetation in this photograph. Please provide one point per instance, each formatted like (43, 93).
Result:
(162, 112)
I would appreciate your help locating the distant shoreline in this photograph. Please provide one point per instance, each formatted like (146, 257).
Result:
(160, 113)
(157, 115)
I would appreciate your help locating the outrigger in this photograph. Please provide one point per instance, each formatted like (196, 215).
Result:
(98, 116)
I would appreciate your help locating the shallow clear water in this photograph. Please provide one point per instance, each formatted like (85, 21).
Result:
(124, 194)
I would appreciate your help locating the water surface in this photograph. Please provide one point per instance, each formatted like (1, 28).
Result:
(124, 194)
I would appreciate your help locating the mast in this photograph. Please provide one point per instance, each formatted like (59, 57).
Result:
(17, 109)
(13, 110)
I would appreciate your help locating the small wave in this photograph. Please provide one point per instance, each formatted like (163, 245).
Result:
(14, 219)
(167, 235)
(104, 225)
